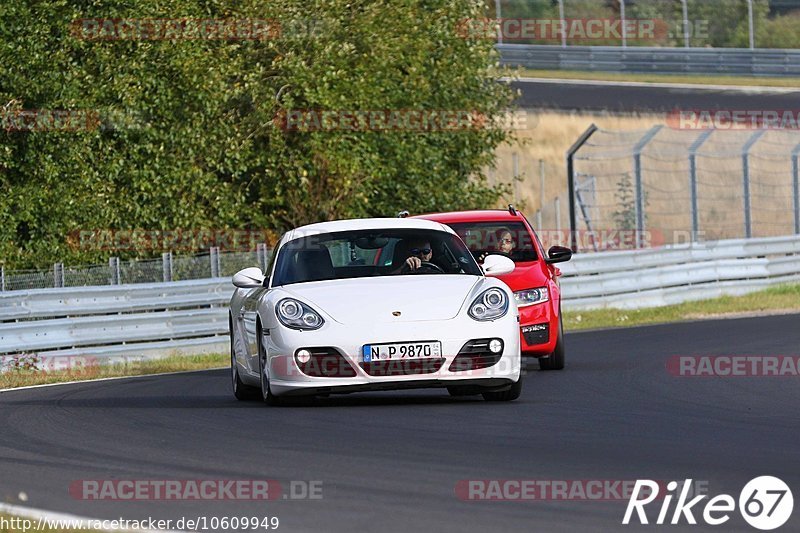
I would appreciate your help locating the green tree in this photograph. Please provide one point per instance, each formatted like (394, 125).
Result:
(188, 138)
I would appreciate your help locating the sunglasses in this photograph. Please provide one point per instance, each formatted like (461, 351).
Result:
(417, 251)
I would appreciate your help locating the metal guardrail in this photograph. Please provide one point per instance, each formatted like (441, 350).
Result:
(759, 62)
(157, 318)
(118, 320)
(675, 274)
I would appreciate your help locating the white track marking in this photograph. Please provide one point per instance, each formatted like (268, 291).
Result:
(41, 517)
(109, 379)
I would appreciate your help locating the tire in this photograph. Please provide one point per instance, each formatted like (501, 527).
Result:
(241, 391)
(266, 393)
(505, 396)
(556, 359)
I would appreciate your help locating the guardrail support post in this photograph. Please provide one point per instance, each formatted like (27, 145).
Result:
(113, 267)
(166, 266)
(213, 254)
(685, 23)
(796, 188)
(641, 219)
(261, 252)
(748, 222)
(703, 137)
(573, 227)
(58, 275)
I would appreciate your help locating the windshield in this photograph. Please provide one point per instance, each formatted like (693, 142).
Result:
(369, 253)
(510, 239)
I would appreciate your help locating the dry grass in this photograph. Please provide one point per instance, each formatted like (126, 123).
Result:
(748, 81)
(80, 371)
(549, 134)
(776, 300)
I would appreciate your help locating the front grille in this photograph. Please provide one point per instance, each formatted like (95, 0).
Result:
(536, 334)
(475, 354)
(326, 363)
(408, 367)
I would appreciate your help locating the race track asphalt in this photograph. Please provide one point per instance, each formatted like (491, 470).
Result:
(588, 96)
(389, 462)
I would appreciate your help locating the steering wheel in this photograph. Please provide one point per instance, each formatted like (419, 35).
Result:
(423, 267)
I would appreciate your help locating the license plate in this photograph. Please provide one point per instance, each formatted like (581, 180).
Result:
(401, 350)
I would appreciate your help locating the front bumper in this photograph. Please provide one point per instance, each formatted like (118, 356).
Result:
(538, 329)
(287, 378)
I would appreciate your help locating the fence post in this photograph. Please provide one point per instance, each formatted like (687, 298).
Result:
(58, 275)
(622, 19)
(261, 251)
(515, 166)
(750, 25)
(796, 188)
(499, 16)
(641, 219)
(2, 278)
(703, 137)
(213, 254)
(748, 222)
(113, 267)
(563, 23)
(557, 208)
(166, 266)
(541, 184)
(573, 236)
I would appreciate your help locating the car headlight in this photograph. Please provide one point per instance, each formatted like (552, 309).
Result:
(297, 315)
(532, 296)
(489, 305)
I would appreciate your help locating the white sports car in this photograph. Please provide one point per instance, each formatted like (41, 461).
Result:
(374, 304)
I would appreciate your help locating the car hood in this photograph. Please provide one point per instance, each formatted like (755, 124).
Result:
(375, 300)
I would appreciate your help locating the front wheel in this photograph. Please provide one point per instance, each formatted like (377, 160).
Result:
(505, 396)
(556, 359)
(266, 393)
(241, 391)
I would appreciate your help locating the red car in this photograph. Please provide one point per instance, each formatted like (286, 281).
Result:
(534, 281)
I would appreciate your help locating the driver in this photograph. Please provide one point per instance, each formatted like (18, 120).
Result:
(420, 251)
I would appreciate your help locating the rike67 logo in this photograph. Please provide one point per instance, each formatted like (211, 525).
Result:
(765, 503)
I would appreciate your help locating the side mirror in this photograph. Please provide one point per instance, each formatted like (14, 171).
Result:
(558, 254)
(497, 265)
(249, 278)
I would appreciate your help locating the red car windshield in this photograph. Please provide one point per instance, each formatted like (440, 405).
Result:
(510, 239)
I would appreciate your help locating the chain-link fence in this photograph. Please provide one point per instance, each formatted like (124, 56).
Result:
(169, 267)
(659, 23)
(670, 186)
